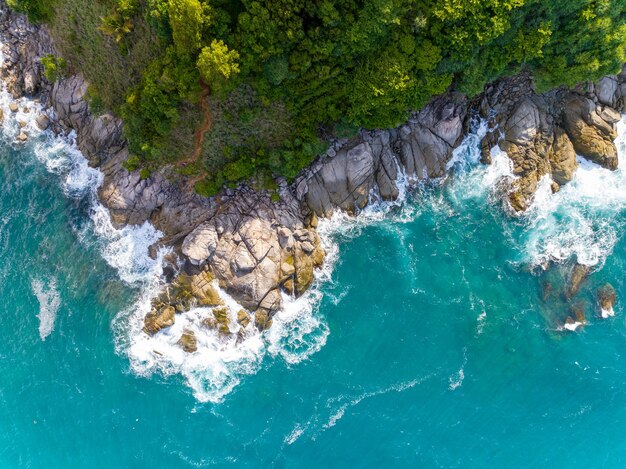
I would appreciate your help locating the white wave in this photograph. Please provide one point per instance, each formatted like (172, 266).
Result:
(607, 313)
(456, 380)
(582, 221)
(572, 326)
(49, 303)
(294, 435)
(213, 370)
(480, 322)
(340, 411)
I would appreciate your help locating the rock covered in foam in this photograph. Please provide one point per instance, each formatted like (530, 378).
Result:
(188, 341)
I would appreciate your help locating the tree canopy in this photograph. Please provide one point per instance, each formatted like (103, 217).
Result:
(327, 67)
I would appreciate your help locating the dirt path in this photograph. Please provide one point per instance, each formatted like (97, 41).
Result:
(201, 131)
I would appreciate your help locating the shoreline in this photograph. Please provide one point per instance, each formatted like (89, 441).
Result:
(259, 251)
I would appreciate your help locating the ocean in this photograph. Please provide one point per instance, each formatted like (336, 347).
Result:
(432, 338)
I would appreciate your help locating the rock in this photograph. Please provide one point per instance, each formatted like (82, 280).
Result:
(157, 320)
(606, 299)
(343, 181)
(222, 319)
(546, 291)
(21, 124)
(554, 187)
(188, 341)
(578, 313)
(43, 122)
(571, 324)
(577, 277)
(200, 244)
(14, 107)
(591, 133)
(287, 268)
(262, 319)
(188, 291)
(606, 90)
(22, 137)
(243, 318)
(562, 158)
(200, 287)
(307, 247)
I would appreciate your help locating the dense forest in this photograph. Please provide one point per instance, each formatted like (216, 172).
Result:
(222, 91)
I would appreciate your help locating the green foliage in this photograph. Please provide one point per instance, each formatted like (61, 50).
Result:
(282, 72)
(186, 19)
(96, 104)
(37, 10)
(119, 24)
(217, 65)
(151, 110)
(54, 67)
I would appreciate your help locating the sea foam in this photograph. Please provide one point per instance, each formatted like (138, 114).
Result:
(49, 300)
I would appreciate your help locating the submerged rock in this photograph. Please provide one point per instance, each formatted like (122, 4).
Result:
(577, 276)
(606, 299)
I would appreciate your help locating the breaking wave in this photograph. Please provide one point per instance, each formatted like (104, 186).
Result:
(581, 220)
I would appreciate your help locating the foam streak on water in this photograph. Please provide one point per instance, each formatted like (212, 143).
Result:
(49, 303)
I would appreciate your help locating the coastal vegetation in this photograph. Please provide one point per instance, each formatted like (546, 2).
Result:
(223, 91)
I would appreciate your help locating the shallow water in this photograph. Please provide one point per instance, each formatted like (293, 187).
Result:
(429, 341)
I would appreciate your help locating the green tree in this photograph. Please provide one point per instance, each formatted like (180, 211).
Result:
(218, 64)
(186, 20)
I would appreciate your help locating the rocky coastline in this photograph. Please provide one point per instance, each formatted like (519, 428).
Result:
(256, 248)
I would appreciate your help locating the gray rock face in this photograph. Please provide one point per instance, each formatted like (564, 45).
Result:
(421, 149)
(99, 137)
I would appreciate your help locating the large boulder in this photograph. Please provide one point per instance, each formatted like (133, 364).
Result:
(591, 129)
(343, 181)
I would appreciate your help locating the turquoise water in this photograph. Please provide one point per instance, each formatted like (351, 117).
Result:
(429, 344)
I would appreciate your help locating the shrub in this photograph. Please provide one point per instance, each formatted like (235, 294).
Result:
(54, 67)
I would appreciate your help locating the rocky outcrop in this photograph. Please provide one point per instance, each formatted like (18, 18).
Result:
(421, 149)
(591, 129)
(255, 248)
(543, 134)
(158, 319)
